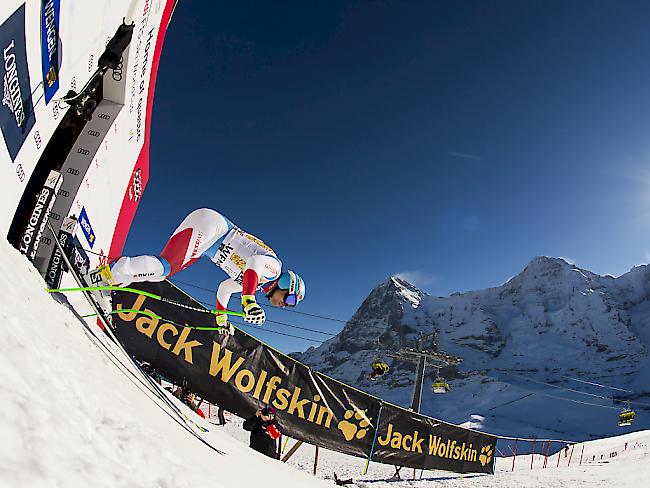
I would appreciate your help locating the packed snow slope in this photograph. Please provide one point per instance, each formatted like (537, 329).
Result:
(551, 322)
(622, 461)
(72, 415)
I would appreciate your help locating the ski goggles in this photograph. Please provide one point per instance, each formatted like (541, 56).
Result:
(291, 300)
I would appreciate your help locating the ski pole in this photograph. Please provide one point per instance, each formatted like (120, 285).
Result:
(155, 316)
(148, 295)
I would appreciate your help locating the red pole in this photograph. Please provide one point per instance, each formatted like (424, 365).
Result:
(569, 463)
(559, 456)
(532, 456)
(548, 446)
(514, 455)
(581, 453)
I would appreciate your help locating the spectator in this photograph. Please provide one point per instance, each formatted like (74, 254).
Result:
(264, 431)
(222, 418)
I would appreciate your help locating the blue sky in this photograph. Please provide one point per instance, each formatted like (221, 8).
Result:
(447, 141)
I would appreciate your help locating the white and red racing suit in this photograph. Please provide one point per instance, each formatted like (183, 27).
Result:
(206, 233)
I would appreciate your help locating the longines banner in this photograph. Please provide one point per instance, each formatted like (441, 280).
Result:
(240, 373)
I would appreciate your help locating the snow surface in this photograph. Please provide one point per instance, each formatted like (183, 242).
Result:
(74, 414)
(628, 468)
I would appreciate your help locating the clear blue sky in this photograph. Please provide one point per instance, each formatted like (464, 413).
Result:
(452, 141)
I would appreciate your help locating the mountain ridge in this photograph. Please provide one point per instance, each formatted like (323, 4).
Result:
(551, 321)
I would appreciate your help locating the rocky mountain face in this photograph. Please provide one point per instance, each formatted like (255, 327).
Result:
(524, 344)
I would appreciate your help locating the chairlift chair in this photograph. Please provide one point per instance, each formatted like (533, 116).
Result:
(440, 385)
(379, 368)
(626, 417)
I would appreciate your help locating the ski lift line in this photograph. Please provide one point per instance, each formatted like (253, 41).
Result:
(597, 384)
(566, 399)
(581, 392)
(240, 324)
(510, 402)
(563, 388)
(283, 309)
(280, 323)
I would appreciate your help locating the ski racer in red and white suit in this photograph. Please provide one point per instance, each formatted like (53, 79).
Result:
(249, 262)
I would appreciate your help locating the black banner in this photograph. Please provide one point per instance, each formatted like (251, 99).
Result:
(406, 438)
(240, 373)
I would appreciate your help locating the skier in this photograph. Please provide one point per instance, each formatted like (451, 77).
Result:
(249, 263)
(264, 431)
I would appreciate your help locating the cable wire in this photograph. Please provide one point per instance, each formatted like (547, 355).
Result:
(614, 400)
(209, 305)
(597, 384)
(241, 324)
(283, 309)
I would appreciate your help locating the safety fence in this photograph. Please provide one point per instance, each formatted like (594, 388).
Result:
(519, 454)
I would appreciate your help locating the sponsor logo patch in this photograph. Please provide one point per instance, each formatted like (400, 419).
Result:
(17, 111)
(86, 228)
(50, 47)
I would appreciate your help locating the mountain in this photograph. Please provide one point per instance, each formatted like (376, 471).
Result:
(525, 344)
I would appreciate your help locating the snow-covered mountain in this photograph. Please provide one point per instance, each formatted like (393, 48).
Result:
(551, 322)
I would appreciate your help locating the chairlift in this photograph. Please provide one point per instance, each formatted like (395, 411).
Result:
(440, 385)
(379, 368)
(626, 417)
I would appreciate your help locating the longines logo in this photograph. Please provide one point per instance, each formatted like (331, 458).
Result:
(12, 96)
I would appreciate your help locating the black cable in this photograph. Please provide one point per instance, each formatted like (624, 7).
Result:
(613, 400)
(209, 305)
(241, 324)
(283, 309)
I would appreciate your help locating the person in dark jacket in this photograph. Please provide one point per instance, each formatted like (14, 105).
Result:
(264, 431)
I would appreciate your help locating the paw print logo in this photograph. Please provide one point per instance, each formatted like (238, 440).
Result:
(486, 455)
(358, 429)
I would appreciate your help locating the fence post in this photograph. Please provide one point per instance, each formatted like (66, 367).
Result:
(514, 456)
(581, 453)
(548, 446)
(559, 455)
(532, 456)
(569, 463)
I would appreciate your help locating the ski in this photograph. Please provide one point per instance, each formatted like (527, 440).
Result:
(108, 329)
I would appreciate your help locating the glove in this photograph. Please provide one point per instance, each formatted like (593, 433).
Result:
(253, 313)
(225, 327)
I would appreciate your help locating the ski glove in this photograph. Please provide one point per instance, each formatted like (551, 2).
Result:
(254, 314)
(225, 327)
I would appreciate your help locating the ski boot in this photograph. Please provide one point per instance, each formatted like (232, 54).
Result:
(101, 276)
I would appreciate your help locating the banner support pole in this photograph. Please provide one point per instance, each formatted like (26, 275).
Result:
(291, 451)
(374, 439)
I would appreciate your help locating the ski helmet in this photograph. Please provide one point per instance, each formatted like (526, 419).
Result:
(288, 280)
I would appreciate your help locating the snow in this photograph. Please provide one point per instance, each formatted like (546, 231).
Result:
(629, 468)
(75, 414)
